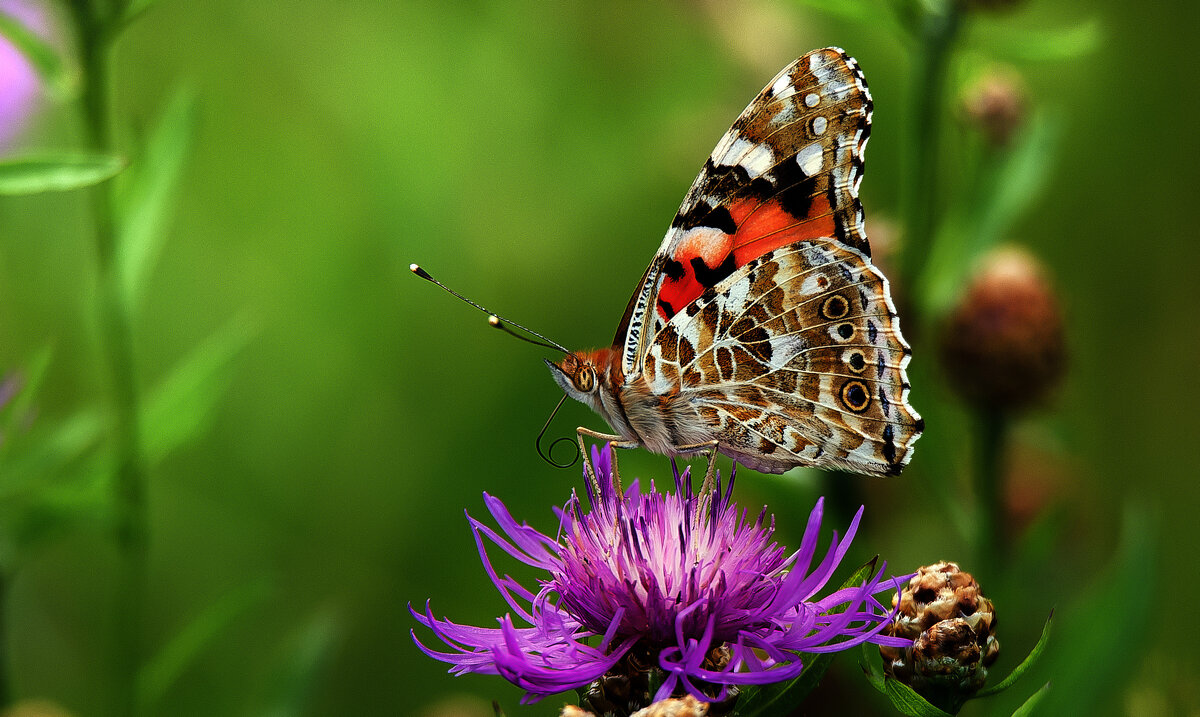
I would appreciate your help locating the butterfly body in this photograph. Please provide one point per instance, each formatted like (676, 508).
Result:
(761, 325)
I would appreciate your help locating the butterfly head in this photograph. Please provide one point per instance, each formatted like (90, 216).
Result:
(586, 377)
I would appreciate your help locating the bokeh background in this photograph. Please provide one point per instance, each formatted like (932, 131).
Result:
(532, 154)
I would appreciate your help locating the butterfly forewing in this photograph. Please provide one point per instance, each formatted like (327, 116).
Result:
(787, 170)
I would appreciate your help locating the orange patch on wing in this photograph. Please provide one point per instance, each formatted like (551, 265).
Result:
(766, 227)
(678, 293)
(711, 247)
(762, 227)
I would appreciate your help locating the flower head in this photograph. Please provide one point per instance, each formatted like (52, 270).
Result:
(678, 583)
(997, 106)
(951, 629)
(1003, 346)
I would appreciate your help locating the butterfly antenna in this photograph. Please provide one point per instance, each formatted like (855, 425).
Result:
(546, 456)
(497, 321)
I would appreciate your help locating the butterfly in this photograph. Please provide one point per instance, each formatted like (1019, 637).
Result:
(761, 329)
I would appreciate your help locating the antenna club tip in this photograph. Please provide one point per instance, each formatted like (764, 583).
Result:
(416, 269)
(494, 320)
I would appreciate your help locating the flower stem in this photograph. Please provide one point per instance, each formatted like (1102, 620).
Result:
(129, 484)
(938, 31)
(991, 442)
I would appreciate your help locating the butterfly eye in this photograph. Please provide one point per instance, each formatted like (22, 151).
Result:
(584, 379)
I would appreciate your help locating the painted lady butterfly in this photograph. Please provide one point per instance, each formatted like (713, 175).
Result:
(761, 328)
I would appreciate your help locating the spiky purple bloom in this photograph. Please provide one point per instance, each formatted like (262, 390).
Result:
(706, 595)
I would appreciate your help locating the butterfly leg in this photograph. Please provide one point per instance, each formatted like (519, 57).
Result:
(616, 441)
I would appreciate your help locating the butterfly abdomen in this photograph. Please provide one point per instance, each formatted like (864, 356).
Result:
(664, 422)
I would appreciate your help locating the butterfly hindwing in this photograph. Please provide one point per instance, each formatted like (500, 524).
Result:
(796, 358)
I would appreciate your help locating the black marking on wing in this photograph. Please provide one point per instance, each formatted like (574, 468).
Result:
(711, 277)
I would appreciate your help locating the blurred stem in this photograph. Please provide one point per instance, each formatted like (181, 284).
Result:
(129, 484)
(938, 30)
(992, 438)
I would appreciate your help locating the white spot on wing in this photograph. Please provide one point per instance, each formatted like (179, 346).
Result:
(809, 158)
(819, 124)
(812, 285)
(733, 151)
(812, 99)
(816, 65)
(781, 84)
(758, 160)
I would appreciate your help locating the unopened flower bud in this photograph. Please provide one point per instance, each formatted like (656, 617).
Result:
(1003, 346)
(952, 628)
(996, 104)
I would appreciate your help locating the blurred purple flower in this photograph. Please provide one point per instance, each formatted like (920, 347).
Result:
(704, 595)
(20, 87)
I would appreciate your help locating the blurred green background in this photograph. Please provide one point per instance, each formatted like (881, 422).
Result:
(531, 155)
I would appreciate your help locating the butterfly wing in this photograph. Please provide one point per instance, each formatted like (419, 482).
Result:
(795, 359)
(762, 309)
(787, 170)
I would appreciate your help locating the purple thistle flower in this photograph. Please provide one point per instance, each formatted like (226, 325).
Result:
(702, 594)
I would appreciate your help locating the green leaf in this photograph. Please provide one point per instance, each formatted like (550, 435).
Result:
(1020, 179)
(182, 405)
(82, 496)
(157, 676)
(145, 193)
(1005, 187)
(1099, 636)
(1027, 708)
(1029, 661)
(45, 59)
(906, 700)
(56, 172)
(50, 453)
(1033, 44)
(782, 698)
(871, 667)
(29, 381)
(882, 16)
(135, 9)
(304, 658)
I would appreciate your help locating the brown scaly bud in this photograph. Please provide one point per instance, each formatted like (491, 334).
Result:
(686, 706)
(996, 104)
(1003, 346)
(952, 629)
